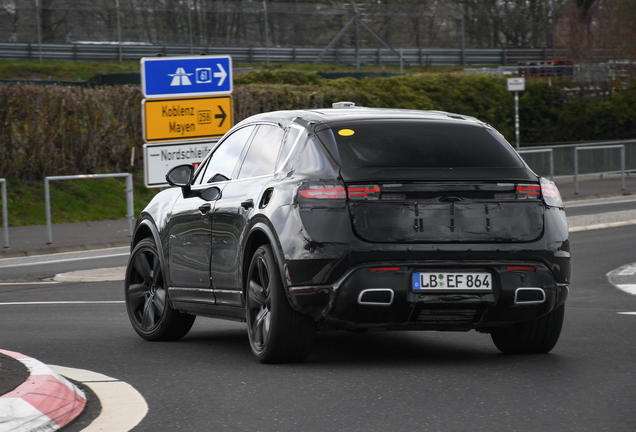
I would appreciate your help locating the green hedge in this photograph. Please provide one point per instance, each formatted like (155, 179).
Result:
(54, 130)
(560, 111)
(51, 130)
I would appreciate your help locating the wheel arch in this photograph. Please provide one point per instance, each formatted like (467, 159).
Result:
(261, 234)
(147, 229)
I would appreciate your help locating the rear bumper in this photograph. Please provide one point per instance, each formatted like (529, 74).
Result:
(366, 297)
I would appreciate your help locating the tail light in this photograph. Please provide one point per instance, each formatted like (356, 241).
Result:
(528, 191)
(521, 268)
(384, 269)
(322, 191)
(550, 193)
(366, 192)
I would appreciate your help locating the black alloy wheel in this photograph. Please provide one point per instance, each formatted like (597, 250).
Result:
(538, 336)
(147, 297)
(277, 333)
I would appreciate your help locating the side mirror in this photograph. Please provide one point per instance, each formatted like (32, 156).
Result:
(180, 176)
(218, 178)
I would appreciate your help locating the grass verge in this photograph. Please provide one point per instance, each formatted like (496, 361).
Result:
(73, 200)
(83, 70)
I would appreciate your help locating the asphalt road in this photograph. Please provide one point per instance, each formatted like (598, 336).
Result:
(355, 382)
(601, 205)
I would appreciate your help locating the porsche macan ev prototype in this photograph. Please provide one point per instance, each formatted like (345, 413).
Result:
(354, 218)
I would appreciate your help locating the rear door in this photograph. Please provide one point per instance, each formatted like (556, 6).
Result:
(242, 197)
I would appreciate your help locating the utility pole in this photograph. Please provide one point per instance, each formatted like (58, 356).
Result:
(119, 31)
(190, 25)
(516, 85)
(37, 16)
(266, 34)
(357, 31)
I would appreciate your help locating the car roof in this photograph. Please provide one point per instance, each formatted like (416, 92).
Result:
(330, 116)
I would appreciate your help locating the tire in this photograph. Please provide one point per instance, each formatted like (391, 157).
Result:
(531, 337)
(277, 333)
(147, 300)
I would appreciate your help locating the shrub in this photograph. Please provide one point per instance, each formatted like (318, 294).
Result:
(54, 130)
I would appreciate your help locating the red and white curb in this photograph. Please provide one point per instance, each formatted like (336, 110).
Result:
(46, 401)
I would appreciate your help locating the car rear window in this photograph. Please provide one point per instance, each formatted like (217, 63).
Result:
(425, 144)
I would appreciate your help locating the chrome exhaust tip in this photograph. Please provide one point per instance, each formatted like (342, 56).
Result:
(529, 295)
(376, 297)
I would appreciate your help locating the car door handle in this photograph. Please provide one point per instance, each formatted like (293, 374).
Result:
(204, 208)
(247, 204)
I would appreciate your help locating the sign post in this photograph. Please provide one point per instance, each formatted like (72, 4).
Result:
(516, 85)
(186, 99)
(165, 77)
(186, 118)
(160, 157)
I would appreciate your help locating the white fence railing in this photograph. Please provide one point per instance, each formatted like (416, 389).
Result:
(621, 147)
(564, 160)
(129, 197)
(5, 214)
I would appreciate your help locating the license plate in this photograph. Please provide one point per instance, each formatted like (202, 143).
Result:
(447, 281)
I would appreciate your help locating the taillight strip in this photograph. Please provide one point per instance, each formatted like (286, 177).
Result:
(357, 192)
(532, 191)
(377, 269)
(324, 193)
(520, 268)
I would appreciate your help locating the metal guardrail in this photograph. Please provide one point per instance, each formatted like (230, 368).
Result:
(550, 151)
(605, 160)
(382, 56)
(128, 190)
(5, 213)
(597, 147)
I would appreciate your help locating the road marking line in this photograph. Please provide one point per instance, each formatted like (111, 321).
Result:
(623, 278)
(626, 313)
(111, 274)
(603, 226)
(70, 254)
(123, 407)
(629, 271)
(8, 265)
(628, 288)
(28, 283)
(62, 302)
(598, 201)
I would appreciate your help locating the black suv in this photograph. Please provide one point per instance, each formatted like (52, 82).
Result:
(354, 218)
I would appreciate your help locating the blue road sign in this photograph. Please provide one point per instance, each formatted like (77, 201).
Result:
(163, 77)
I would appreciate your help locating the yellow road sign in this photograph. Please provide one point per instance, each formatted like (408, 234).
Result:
(186, 118)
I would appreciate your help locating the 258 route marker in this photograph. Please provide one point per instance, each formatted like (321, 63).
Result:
(187, 118)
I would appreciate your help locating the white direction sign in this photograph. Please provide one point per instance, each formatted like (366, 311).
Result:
(516, 84)
(166, 77)
(159, 158)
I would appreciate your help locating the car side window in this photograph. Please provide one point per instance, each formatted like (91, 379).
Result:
(292, 137)
(263, 152)
(223, 161)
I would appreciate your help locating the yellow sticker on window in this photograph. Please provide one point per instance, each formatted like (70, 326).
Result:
(345, 132)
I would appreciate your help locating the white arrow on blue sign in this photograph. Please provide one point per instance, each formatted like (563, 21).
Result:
(165, 77)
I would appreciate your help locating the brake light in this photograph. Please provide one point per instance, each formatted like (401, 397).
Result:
(323, 192)
(370, 192)
(379, 269)
(520, 268)
(550, 193)
(528, 191)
